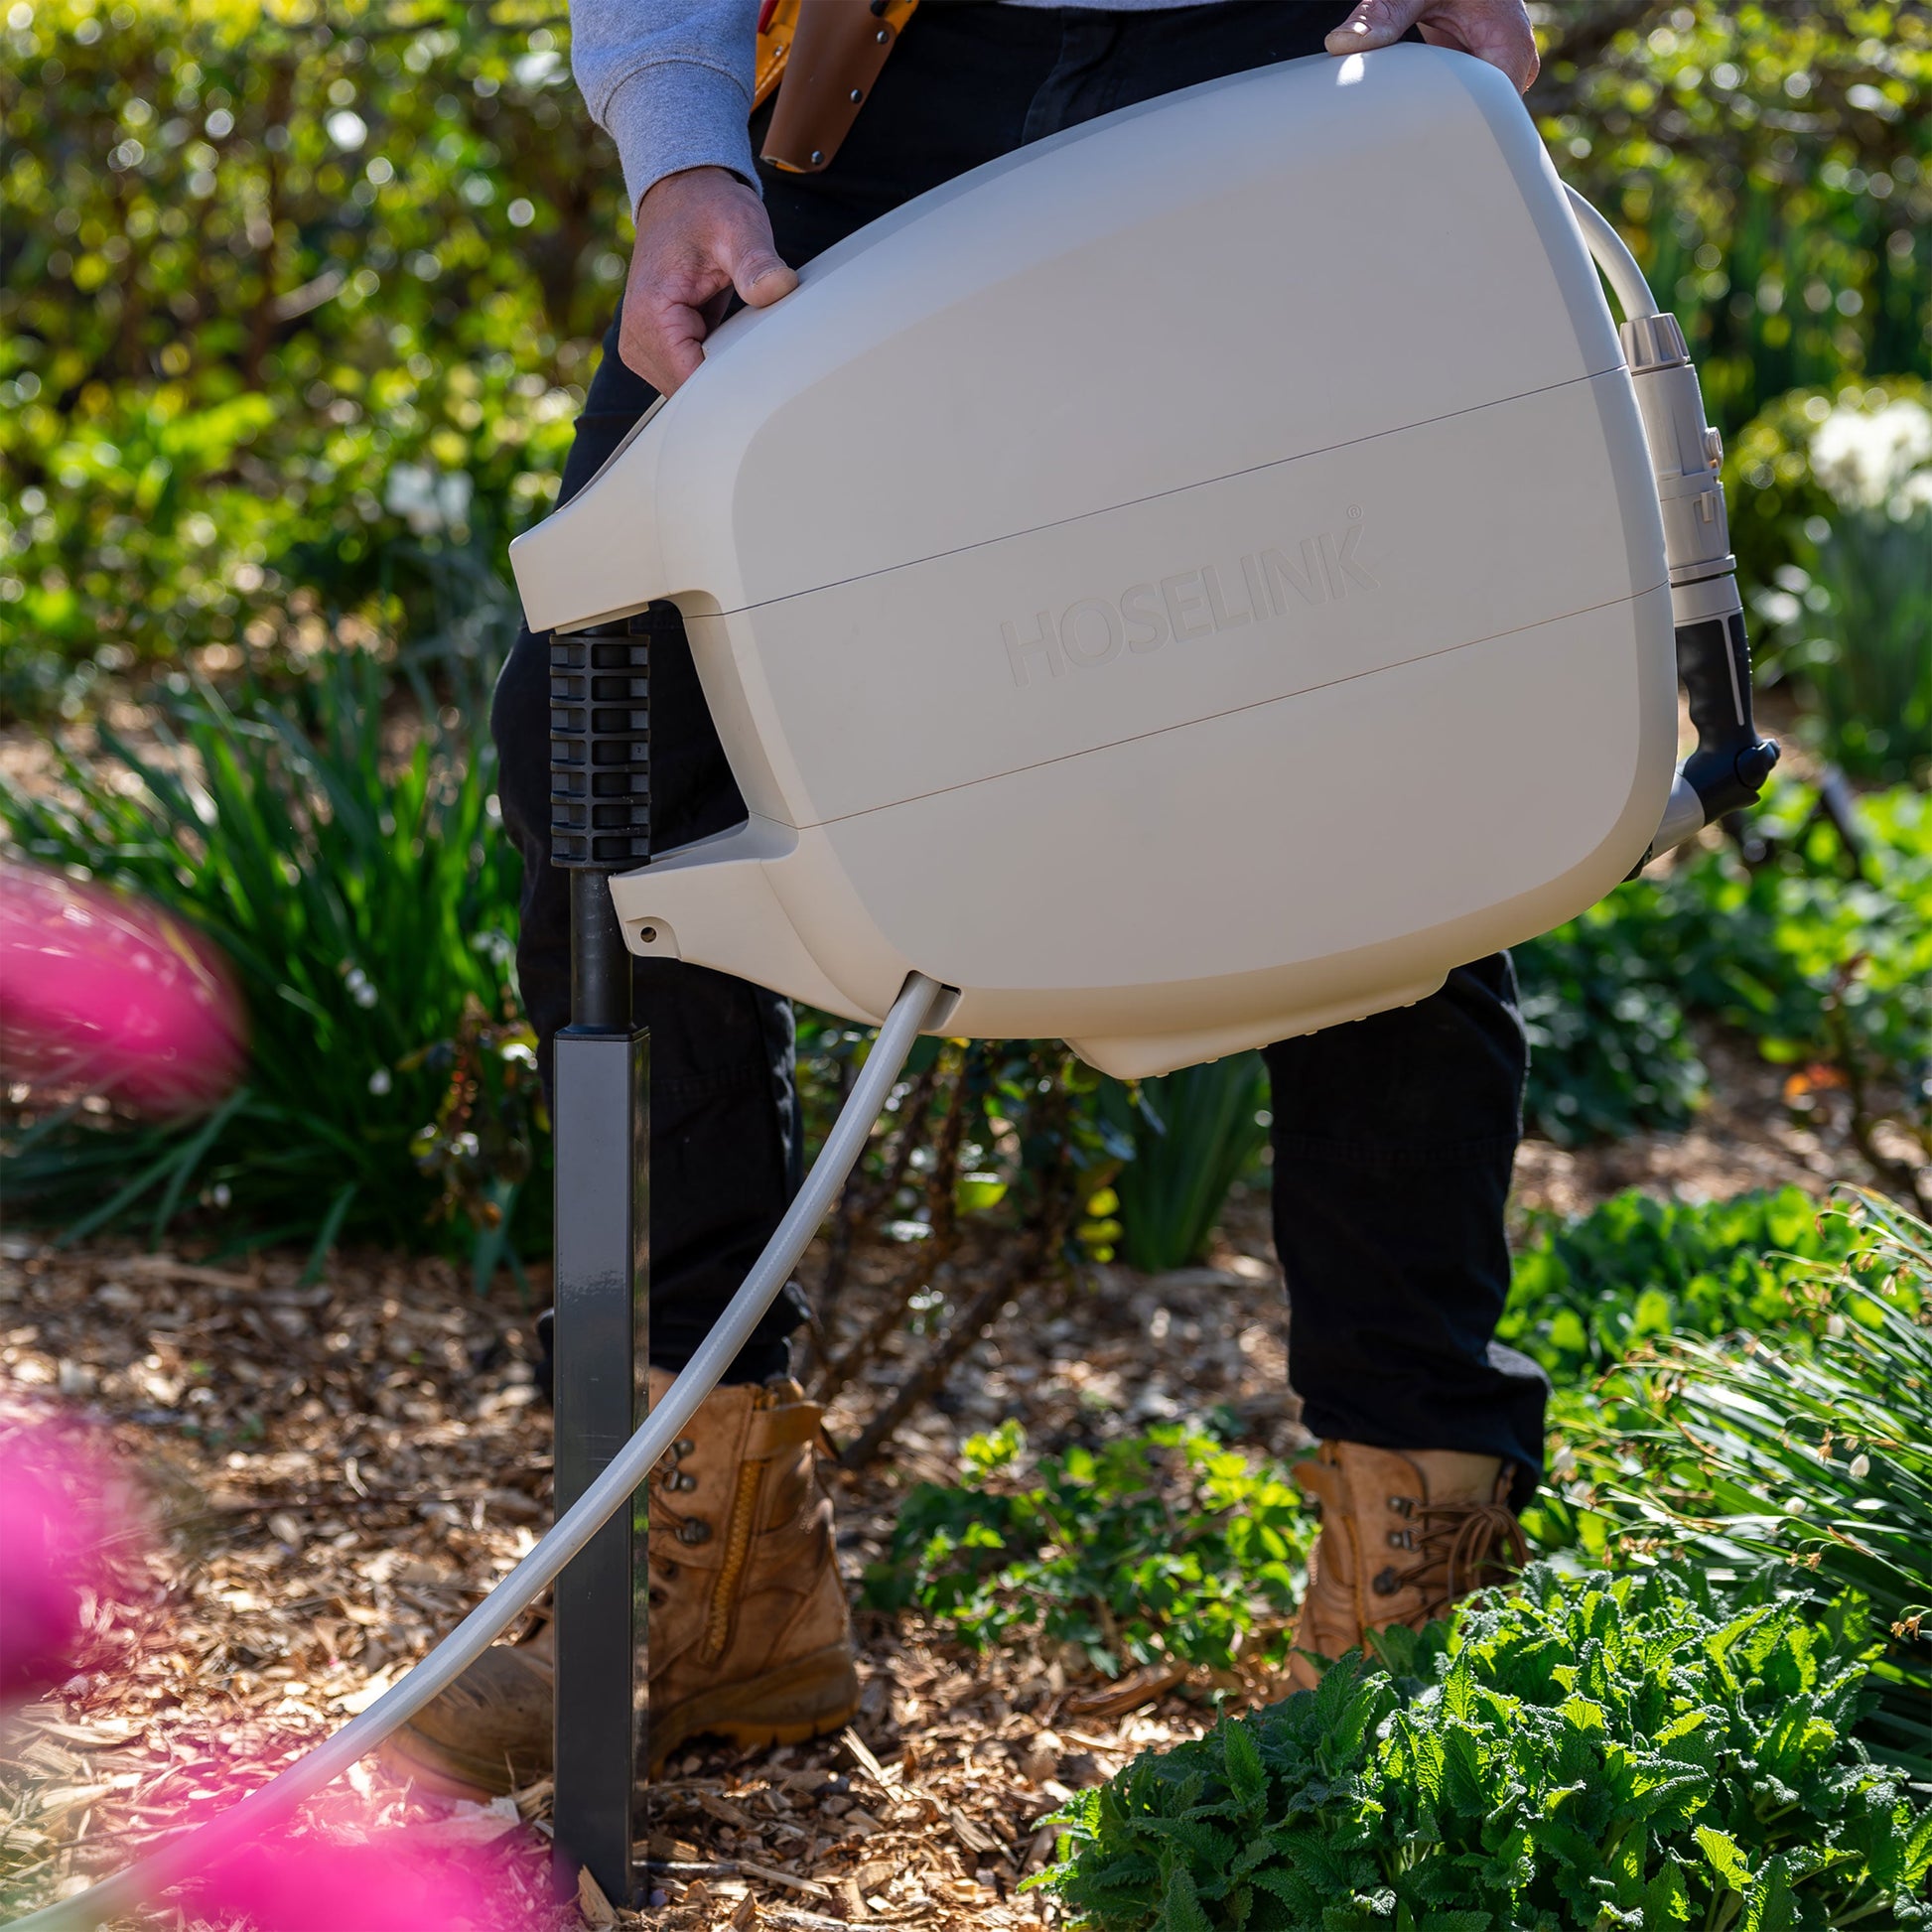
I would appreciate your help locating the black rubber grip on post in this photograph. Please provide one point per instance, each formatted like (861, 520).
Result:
(600, 746)
(1728, 769)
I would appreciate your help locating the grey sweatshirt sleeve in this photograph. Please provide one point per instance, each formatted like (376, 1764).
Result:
(669, 81)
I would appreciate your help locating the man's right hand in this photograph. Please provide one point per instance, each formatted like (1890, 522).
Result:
(1497, 30)
(700, 235)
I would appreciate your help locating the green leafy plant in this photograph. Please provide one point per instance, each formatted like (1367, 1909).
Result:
(366, 903)
(1823, 955)
(1588, 1291)
(1169, 1547)
(1609, 1051)
(1630, 1753)
(1820, 952)
(1194, 1133)
(1804, 1452)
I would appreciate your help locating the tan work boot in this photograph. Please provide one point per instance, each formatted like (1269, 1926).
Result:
(1405, 1533)
(750, 1635)
(490, 1732)
(751, 1638)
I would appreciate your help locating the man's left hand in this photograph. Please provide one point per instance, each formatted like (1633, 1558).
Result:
(1497, 30)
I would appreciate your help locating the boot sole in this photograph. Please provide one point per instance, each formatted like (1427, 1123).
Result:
(431, 1766)
(791, 1706)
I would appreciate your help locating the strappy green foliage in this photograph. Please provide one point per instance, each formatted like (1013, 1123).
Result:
(1804, 1452)
(365, 903)
(1635, 1754)
(1194, 1133)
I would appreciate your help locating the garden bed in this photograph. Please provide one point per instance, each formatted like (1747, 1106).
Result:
(340, 1470)
(347, 1447)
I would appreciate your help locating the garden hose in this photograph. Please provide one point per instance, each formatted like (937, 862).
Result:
(1612, 255)
(921, 1005)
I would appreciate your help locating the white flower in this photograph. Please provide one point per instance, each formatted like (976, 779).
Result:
(1913, 496)
(428, 501)
(538, 68)
(1865, 458)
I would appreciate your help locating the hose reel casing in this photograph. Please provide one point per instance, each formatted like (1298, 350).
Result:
(1193, 581)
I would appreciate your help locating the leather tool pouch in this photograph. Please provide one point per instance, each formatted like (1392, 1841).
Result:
(829, 61)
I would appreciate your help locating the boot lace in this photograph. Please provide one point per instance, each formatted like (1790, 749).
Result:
(1459, 1547)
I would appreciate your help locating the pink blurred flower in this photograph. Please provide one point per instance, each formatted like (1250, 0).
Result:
(107, 995)
(344, 1875)
(58, 1508)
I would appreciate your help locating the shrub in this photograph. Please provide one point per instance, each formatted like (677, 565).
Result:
(366, 904)
(280, 294)
(1165, 1547)
(1586, 1292)
(1823, 955)
(1805, 1451)
(1784, 241)
(392, 238)
(1609, 1051)
(1606, 1754)
(1820, 952)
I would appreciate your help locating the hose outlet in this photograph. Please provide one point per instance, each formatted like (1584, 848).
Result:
(1730, 765)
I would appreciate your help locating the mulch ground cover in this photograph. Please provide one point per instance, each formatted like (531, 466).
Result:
(333, 1473)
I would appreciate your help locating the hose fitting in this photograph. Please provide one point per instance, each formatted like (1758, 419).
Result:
(1728, 770)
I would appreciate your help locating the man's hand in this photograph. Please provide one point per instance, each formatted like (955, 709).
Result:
(700, 235)
(1497, 30)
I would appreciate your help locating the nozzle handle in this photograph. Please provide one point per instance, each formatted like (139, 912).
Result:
(600, 745)
(1728, 769)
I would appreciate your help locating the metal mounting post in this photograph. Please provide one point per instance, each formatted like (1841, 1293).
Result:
(600, 806)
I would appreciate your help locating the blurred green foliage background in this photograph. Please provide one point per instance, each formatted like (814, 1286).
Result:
(293, 294)
(298, 301)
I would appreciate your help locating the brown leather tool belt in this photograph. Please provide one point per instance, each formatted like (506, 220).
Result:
(828, 53)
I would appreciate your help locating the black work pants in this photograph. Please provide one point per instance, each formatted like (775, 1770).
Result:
(1393, 1136)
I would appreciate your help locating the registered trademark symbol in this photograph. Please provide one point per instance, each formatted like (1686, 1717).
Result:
(1354, 509)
